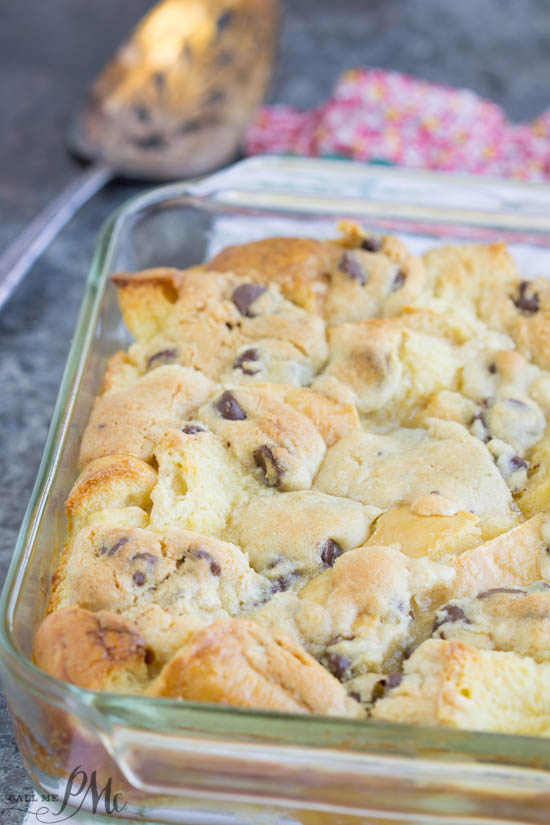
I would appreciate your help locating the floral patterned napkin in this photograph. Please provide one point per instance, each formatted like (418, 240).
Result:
(386, 117)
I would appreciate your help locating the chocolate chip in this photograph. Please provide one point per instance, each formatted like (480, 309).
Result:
(213, 96)
(371, 244)
(515, 402)
(267, 462)
(139, 578)
(283, 583)
(215, 568)
(229, 408)
(159, 80)
(245, 295)
(398, 280)
(111, 551)
(164, 356)
(355, 695)
(352, 267)
(393, 680)
(190, 126)
(142, 113)
(529, 304)
(224, 20)
(518, 463)
(245, 358)
(191, 429)
(148, 557)
(155, 140)
(338, 665)
(330, 552)
(492, 368)
(485, 594)
(451, 613)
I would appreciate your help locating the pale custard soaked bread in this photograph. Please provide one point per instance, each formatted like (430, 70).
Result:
(318, 481)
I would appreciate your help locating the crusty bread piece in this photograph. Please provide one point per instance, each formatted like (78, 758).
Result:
(236, 662)
(107, 482)
(450, 683)
(516, 557)
(502, 618)
(98, 651)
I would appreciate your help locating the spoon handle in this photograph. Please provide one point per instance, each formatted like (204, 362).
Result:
(23, 251)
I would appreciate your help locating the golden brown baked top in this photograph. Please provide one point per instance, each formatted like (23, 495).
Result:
(319, 482)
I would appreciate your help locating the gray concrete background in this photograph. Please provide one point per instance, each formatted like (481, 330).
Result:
(49, 51)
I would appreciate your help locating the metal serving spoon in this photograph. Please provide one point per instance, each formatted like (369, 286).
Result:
(172, 103)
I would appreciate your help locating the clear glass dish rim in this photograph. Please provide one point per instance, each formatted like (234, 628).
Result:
(101, 711)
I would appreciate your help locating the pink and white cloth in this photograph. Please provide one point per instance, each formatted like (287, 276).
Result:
(377, 115)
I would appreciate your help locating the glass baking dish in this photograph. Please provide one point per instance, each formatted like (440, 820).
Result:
(183, 762)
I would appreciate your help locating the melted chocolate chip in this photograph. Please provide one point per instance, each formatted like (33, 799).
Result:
(148, 557)
(153, 141)
(213, 96)
(191, 429)
(245, 295)
(229, 408)
(283, 583)
(215, 568)
(398, 280)
(355, 695)
(242, 361)
(371, 244)
(393, 680)
(271, 468)
(142, 113)
(224, 20)
(492, 368)
(451, 613)
(139, 578)
(164, 356)
(518, 463)
(529, 304)
(330, 551)
(485, 594)
(159, 80)
(352, 267)
(190, 126)
(338, 665)
(112, 551)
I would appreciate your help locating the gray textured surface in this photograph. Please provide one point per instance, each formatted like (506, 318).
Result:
(49, 52)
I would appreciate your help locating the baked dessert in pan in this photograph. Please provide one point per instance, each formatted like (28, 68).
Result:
(318, 482)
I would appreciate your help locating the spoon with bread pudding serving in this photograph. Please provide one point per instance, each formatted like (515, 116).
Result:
(173, 103)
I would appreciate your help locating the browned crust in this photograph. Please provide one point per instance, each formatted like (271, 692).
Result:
(110, 481)
(146, 298)
(97, 651)
(299, 265)
(236, 662)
